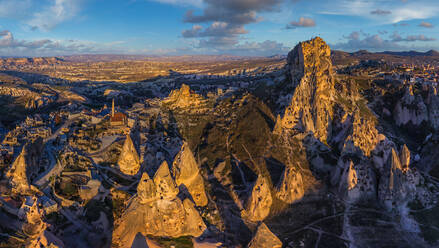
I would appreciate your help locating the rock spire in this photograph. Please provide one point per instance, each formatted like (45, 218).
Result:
(129, 161)
(186, 171)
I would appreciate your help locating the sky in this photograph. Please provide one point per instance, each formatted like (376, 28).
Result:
(233, 27)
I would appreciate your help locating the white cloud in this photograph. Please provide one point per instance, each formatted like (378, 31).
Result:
(58, 12)
(394, 11)
(9, 46)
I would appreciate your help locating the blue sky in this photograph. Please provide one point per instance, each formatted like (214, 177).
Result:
(238, 27)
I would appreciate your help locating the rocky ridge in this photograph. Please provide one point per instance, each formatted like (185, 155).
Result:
(310, 69)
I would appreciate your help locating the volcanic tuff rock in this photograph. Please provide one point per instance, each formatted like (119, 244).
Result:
(25, 167)
(311, 109)
(291, 187)
(364, 134)
(405, 158)
(183, 98)
(411, 108)
(166, 187)
(157, 211)
(415, 109)
(264, 238)
(185, 171)
(398, 185)
(129, 161)
(259, 204)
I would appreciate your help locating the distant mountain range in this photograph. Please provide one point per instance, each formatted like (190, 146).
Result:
(342, 58)
(338, 57)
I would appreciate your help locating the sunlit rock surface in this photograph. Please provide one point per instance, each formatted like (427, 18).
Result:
(310, 68)
(129, 161)
(186, 172)
(259, 204)
(264, 238)
(157, 211)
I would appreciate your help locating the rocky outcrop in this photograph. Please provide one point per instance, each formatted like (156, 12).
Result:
(259, 204)
(405, 158)
(186, 172)
(410, 109)
(291, 186)
(129, 161)
(398, 184)
(157, 211)
(417, 107)
(183, 98)
(311, 109)
(25, 167)
(355, 182)
(364, 134)
(351, 178)
(264, 238)
(165, 184)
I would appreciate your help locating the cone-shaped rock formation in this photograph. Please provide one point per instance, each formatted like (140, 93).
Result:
(129, 162)
(157, 211)
(259, 204)
(186, 171)
(264, 238)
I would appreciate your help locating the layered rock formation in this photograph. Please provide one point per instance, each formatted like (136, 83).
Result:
(129, 161)
(157, 211)
(259, 204)
(311, 109)
(186, 172)
(264, 238)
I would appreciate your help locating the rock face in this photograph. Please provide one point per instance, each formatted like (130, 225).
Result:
(129, 161)
(186, 171)
(410, 109)
(157, 211)
(264, 238)
(414, 109)
(398, 183)
(311, 109)
(291, 187)
(183, 98)
(351, 179)
(405, 158)
(25, 167)
(259, 203)
(364, 134)
(165, 184)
